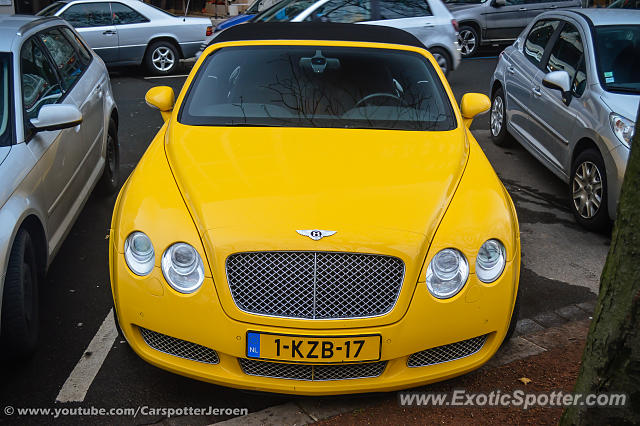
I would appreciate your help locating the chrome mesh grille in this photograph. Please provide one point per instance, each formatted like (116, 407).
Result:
(180, 348)
(280, 370)
(314, 285)
(447, 353)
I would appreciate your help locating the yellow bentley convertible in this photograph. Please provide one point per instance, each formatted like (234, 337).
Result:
(314, 217)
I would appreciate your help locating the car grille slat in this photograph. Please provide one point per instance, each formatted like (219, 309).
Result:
(281, 370)
(177, 347)
(314, 285)
(446, 353)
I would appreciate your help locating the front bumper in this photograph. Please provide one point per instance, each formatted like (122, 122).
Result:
(148, 302)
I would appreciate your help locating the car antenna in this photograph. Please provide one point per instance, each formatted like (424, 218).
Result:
(186, 9)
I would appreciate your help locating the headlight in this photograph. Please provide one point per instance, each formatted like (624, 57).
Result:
(622, 127)
(182, 268)
(447, 273)
(490, 261)
(139, 254)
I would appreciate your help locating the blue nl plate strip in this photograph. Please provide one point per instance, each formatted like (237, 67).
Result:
(253, 345)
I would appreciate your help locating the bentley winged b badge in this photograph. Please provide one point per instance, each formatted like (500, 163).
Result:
(315, 234)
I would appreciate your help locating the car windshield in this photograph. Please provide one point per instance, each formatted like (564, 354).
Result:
(5, 106)
(283, 11)
(307, 86)
(256, 7)
(51, 9)
(618, 57)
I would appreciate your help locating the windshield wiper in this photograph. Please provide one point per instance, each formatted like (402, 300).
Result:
(623, 89)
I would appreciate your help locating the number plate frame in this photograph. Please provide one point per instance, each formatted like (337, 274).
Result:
(251, 341)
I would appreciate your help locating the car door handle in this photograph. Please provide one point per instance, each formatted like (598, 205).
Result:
(98, 90)
(523, 9)
(536, 91)
(109, 32)
(429, 25)
(553, 7)
(511, 70)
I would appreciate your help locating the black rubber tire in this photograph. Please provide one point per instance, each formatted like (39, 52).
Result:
(110, 179)
(513, 322)
(502, 138)
(148, 58)
(473, 51)
(20, 310)
(445, 55)
(601, 220)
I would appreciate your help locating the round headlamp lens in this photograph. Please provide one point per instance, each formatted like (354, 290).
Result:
(182, 267)
(490, 261)
(139, 253)
(447, 273)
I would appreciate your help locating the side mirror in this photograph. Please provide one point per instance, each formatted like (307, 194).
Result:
(473, 104)
(161, 98)
(56, 117)
(557, 80)
(498, 3)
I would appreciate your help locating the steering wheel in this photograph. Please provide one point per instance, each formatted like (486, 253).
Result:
(381, 95)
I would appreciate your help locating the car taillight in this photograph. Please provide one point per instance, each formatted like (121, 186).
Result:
(455, 24)
(210, 31)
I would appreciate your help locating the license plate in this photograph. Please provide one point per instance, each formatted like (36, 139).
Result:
(313, 349)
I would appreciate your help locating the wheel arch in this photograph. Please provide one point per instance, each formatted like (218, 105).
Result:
(471, 23)
(167, 38)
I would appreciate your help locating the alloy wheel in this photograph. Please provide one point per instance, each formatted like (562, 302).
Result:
(163, 58)
(587, 189)
(467, 42)
(497, 115)
(442, 61)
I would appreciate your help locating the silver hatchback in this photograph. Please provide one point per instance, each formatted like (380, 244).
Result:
(58, 140)
(130, 32)
(568, 90)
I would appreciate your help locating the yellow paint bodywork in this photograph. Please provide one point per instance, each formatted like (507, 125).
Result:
(402, 193)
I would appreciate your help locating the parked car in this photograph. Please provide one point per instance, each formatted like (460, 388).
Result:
(256, 7)
(428, 20)
(327, 205)
(130, 32)
(58, 139)
(485, 22)
(568, 90)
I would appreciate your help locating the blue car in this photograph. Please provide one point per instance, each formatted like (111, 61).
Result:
(256, 7)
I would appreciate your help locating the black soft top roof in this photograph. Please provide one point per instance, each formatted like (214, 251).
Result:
(317, 31)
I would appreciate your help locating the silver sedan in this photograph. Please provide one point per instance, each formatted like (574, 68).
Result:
(568, 90)
(58, 140)
(130, 32)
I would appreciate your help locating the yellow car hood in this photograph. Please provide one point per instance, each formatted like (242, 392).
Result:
(250, 189)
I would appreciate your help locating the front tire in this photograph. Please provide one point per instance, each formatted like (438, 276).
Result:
(468, 40)
(498, 120)
(162, 58)
(110, 181)
(513, 322)
(588, 190)
(20, 310)
(442, 58)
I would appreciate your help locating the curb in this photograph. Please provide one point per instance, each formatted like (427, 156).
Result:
(532, 336)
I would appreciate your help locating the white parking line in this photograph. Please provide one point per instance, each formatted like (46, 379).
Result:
(78, 383)
(166, 76)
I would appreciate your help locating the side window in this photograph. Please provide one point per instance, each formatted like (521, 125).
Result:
(82, 50)
(390, 9)
(568, 55)
(84, 15)
(342, 11)
(537, 40)
(64, 55)
(125, 15)
(40, 85)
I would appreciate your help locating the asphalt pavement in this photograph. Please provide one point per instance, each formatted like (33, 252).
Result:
(561, 266)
